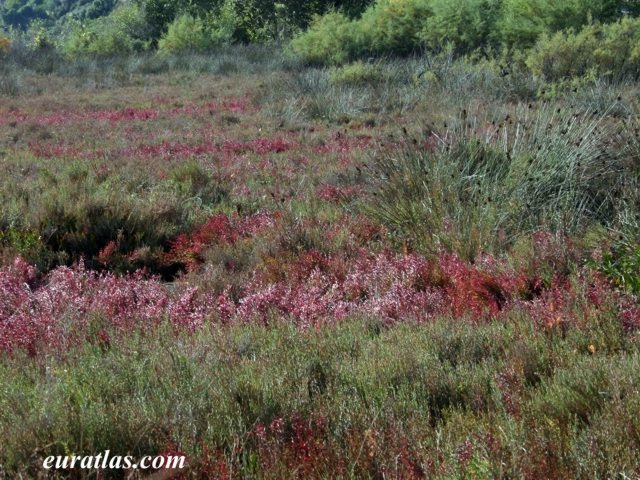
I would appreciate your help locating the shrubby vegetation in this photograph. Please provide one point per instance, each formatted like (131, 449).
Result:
(610, 50)
(121, 32)
(50, 224)
(20, 13)
(408, 26)
(331, 39)
(403, 246)
(391, 26)
(246, 21)
(185, 33)
(561, 36)
(468, 25)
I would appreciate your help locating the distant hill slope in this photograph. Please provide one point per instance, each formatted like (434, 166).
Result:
(19, 13)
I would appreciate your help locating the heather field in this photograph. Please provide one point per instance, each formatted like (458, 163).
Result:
(416, 267)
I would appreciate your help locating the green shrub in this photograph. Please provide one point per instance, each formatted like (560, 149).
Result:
(622, 266)
(123, 31)
(564, 54)
(158, 14)
(393, 26)
(222, 26)
(619, 53)
(612, 50)
(386, 27)
(466, 24)
(357, 73)
(400, 27)
(188, 33)
(184, 33)
(330, 40)
(522, 22)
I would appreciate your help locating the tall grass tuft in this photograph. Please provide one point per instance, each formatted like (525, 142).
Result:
(481, 182)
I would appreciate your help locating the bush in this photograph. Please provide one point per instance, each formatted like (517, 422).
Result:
(564, 55)
(619, 53)
(123, 31)
(222, 26)
(106, 220)
(523, 21)
(184, 33)
(393, 26)
(400, 27)
(330, 40)
(466, 24)
(386, 27)
(357, 73)
(622, 266)
(611, 50)
(188, 33)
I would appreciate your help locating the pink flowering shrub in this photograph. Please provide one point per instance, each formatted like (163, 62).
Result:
(318, 288)
(187, 249)
(311, 289)
(57, 311)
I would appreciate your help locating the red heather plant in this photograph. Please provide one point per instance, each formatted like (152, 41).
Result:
(340, 143)
(127, 114)
(260, 146)
(166, 150)
(357, 231)
(509, 382)
(48, 150)
(333, 193)
(316, 289)
(58, 312)
(187, 249)
(64, 118)
(214, 464)
(323, 289)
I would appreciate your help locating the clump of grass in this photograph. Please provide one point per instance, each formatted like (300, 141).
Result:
(480, 183)
(355, 74)
(10, 84)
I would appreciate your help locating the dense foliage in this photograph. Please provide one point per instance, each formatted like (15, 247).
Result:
(406, 26)
(580, 39)
(19, 13)
(252, 21)
(367, 239)
(610, 50)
